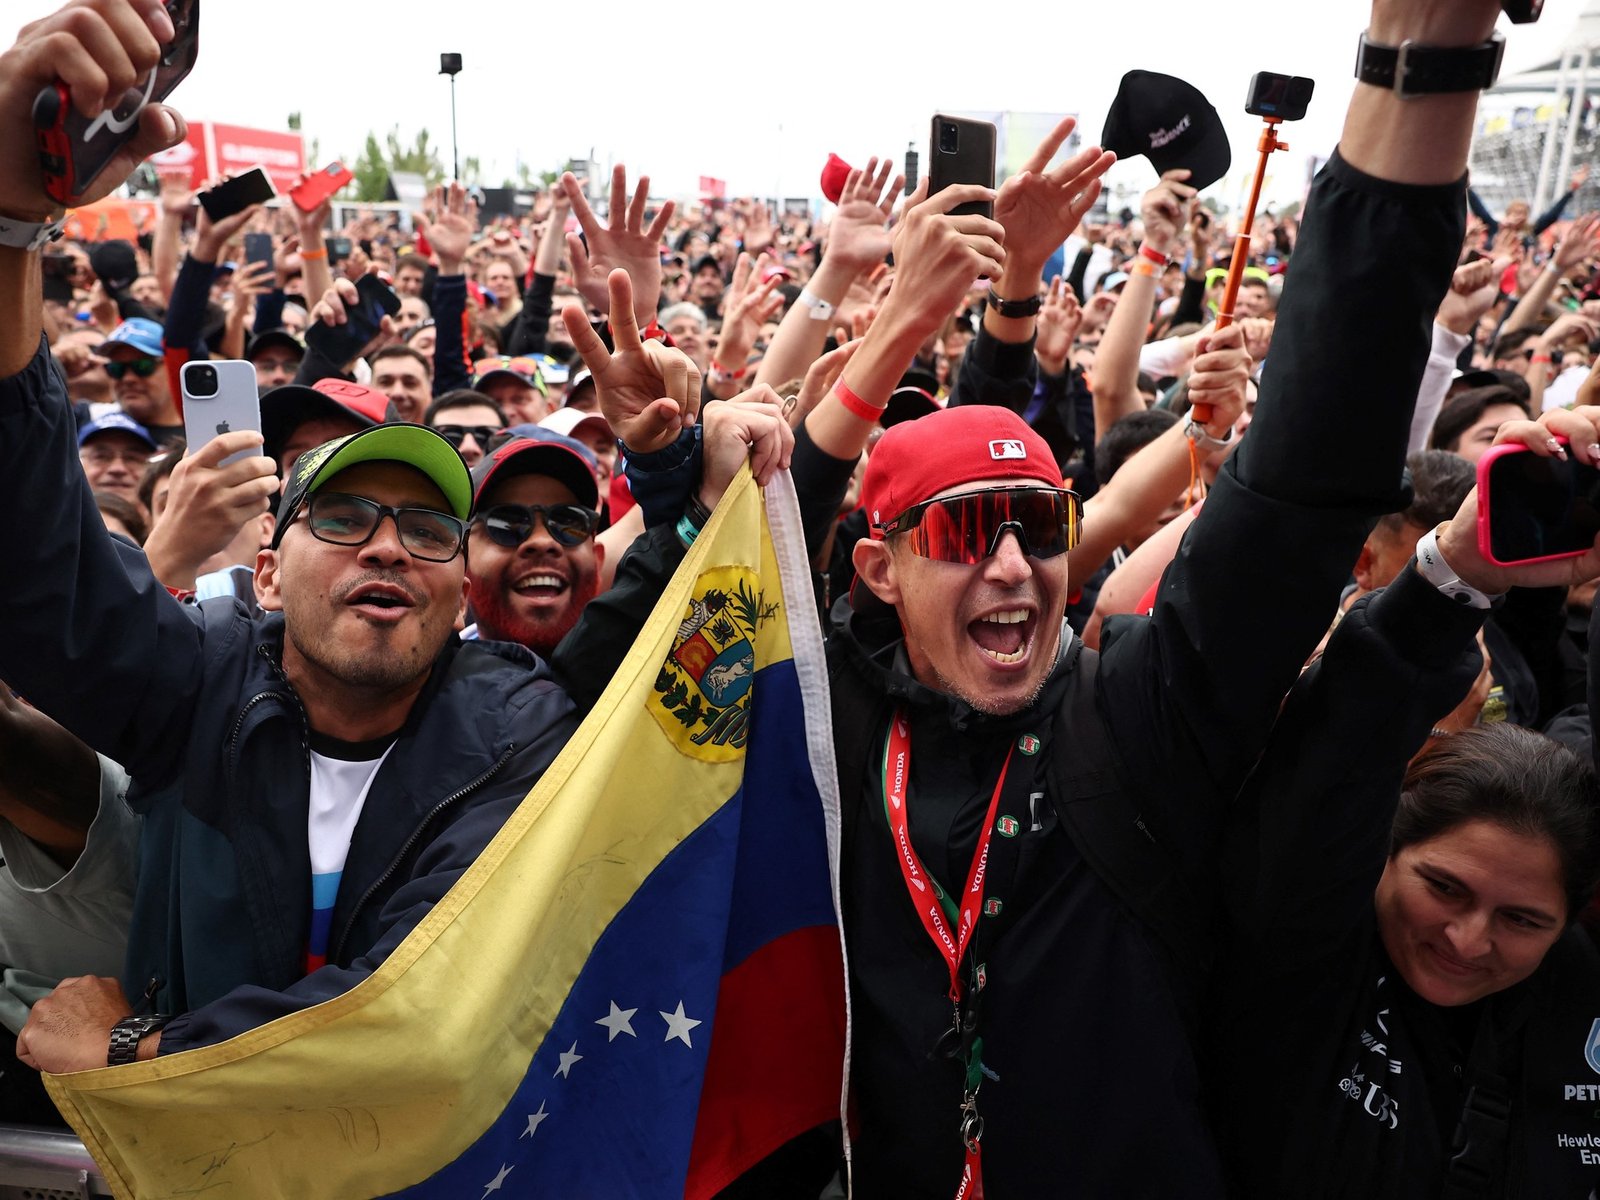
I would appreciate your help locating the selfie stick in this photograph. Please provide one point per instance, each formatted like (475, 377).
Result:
(1241, 244)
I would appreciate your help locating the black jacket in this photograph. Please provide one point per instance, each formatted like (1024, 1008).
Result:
(1330, 1077)
(192, 701)
(1095, 1086)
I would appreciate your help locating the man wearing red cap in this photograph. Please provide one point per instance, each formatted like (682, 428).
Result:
(1029, 828)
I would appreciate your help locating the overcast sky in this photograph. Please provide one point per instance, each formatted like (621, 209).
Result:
(758, 94)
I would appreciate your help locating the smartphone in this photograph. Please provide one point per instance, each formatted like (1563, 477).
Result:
(339, 248)
(961, 151)
(340, 344)
(219, 397)
(258, 248)
(73, 150)
(1281, 97)
(314, 189)
(58, 289)
(237, 194)
(1533, 509)
(1522, 12)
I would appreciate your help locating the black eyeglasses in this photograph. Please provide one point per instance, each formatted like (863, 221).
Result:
(142, 367)
(510, 525)
(456, 434)
(352, 520)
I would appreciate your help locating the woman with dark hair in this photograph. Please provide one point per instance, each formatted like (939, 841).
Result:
(1404, 1007)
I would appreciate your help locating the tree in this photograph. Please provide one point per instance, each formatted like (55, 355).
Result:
(373, 168)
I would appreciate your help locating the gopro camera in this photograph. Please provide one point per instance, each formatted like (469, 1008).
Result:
(1522, 12)
(1279, 97)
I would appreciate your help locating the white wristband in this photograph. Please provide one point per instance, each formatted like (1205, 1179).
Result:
(820, 309)
(1432, 567)
(29, 235)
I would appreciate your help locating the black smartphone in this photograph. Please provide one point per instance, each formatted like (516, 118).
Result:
(237, 194)
(1531, 509)
(339, 248)
(961, 150)
(364, 319)
(258, 248)
(58, 289)
(73, 150)
(1522, 12)
(1282, 97)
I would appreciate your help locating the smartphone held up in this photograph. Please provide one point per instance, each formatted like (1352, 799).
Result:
(1533, 509)
(961, 150)
(73, 149)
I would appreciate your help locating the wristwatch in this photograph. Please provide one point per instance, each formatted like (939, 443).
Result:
(1410, 69)
(1432, 567)
(1197, 434)
(126, 1035)
(1015, 309)
(30, 235)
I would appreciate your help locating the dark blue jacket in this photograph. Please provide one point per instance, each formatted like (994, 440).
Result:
(193, 701)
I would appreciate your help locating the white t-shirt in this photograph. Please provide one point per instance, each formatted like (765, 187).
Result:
(339, 788)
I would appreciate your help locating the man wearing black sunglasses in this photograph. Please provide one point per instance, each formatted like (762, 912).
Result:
(532, 560)
(138, 371)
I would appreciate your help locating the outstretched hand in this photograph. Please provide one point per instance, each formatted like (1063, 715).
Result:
(1040, 206)
(452, 227)
(648, 391)
(858, 235)
(623, 243)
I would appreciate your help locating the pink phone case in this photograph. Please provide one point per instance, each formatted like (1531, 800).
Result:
(1484, 498)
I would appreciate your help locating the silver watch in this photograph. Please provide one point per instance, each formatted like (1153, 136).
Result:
(1197, 434)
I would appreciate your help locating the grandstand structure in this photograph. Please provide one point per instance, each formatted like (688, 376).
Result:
(1536, 126)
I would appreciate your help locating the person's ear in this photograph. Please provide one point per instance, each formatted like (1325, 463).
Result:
(599, 557)
(269, 593)
(875, 565)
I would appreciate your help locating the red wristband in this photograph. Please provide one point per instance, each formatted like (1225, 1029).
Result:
(1154, 256)
(855, 405)
(718, 369)
(653, 330)
(1541, 359)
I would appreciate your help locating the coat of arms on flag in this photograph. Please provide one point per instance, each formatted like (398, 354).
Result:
(637, 990)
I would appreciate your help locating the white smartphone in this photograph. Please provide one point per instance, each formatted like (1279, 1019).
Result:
(219, 397)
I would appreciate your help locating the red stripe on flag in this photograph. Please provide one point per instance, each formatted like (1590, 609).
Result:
(776, 1063)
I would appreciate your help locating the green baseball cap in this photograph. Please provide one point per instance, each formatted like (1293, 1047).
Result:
(413, 445)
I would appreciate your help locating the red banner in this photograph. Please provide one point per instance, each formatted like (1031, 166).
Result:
(213, 149)
(712, 188)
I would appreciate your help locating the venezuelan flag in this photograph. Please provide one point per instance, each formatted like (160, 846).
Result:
(638, 989)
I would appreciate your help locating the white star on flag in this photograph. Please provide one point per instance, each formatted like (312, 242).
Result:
(494, 1184)
(533, 1122)
(678, 1025)
(618, 1020)
(568, 1058)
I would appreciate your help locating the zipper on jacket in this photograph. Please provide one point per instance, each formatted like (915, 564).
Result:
(349, 923)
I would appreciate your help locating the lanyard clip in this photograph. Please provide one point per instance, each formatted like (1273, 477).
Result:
(971, 1123)
(951, 1043)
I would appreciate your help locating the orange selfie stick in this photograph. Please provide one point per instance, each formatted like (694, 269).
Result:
(1241, 243)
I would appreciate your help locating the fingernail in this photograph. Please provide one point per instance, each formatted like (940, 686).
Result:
(1555, 447)
(1594, 453)
(160, 22)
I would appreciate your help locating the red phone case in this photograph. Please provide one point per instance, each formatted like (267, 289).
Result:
(1485, 545)
(319, 187)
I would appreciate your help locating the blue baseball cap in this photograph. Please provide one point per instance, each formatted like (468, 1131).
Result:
(116, 421)
(137, 333)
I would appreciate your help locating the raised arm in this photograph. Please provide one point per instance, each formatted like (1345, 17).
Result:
(1577, 245)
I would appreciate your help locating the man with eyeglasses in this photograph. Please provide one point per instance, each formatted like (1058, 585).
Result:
(114, 451)
(139, 379)
(533, 563)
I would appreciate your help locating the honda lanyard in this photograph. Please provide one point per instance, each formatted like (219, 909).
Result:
(938, 912)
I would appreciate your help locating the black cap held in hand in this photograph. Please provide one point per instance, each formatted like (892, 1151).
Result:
(115, 264)
(1170, 123)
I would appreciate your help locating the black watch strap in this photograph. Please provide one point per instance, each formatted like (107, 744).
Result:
(126, 1035)
(1016, 308)
(1410, 69)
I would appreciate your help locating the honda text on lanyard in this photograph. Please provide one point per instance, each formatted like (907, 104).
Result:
(953, 928)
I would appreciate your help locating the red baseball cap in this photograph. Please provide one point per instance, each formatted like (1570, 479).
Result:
(916, 460)
(284, 409)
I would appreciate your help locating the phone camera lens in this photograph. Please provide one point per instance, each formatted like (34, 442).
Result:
(203, 381)
(949, 137)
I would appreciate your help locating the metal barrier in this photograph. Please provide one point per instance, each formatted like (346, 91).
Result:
(46, 1164)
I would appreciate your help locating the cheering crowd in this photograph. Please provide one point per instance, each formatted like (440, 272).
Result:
(1270, 791)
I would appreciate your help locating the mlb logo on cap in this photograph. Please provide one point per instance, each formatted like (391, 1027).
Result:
(1007, 448)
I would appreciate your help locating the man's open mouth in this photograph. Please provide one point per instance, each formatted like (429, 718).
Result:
(1005, 635)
